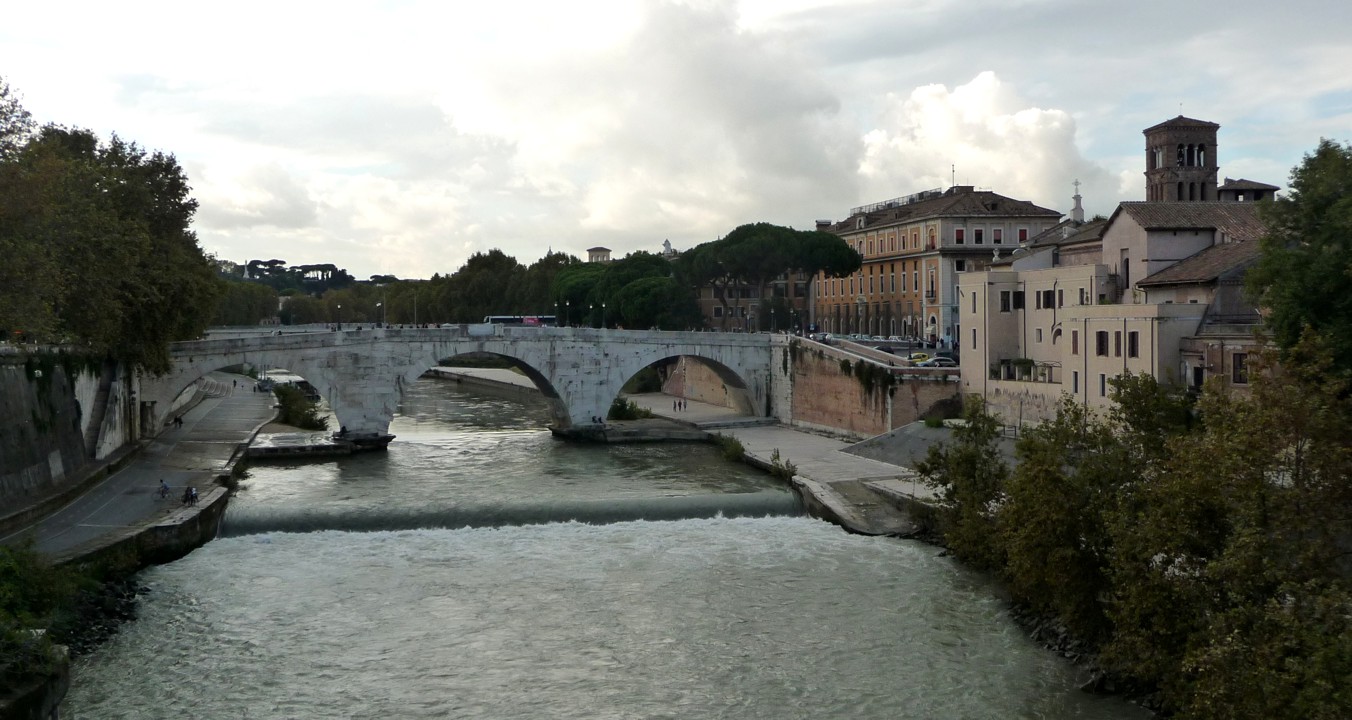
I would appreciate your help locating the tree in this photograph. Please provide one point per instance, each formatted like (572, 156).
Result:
(1301, 277)
(1054, 526)
(970, 475)
(656, 302)
(16, 123)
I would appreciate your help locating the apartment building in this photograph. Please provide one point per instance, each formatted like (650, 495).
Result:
(913, 249)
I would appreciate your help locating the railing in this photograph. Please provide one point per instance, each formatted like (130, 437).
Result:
(898, 202)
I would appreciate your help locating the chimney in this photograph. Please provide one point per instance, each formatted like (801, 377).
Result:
(1077, 212)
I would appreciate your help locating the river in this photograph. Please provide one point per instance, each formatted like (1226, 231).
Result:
(483, 569)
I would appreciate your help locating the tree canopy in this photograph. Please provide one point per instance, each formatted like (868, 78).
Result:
(1302, 276)
(97, 243)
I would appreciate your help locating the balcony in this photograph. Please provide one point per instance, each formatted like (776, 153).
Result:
(1026, 370)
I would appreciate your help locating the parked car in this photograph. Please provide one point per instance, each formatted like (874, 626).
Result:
(918, 357)
(938, 362)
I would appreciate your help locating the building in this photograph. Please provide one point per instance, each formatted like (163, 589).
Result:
(598, 255)
(1154, 288)
(913, 249)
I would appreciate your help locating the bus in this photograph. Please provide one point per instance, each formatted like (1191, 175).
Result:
(529, 320)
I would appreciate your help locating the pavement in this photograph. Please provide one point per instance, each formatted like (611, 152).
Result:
(192, 455)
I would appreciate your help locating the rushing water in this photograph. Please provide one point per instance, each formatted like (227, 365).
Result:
(402, 585)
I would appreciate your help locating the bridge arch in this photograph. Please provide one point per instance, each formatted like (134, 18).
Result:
(362, 373)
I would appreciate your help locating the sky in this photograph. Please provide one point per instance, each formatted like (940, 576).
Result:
(402, 137)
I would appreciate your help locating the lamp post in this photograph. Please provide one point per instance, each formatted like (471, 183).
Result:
(591, 313)
(567, 312)
(603, 315)
(380, 312)
(340, 317)
(772, 319)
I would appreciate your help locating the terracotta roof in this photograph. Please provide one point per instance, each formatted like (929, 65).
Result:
(1207, 265)
(1242, 184)
(957, 201)
(1238, 221)
(1181, 121)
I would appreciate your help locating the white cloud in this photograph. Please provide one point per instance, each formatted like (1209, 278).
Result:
(983, 134)
(402, 137)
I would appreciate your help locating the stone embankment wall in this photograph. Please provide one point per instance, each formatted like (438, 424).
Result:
(829, 398)
(61, 418)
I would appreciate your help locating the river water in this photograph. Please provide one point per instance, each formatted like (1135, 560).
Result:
(482, 569)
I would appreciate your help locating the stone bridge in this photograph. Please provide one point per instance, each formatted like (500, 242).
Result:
(362, 372)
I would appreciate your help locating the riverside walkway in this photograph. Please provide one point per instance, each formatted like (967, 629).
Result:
(213, 433)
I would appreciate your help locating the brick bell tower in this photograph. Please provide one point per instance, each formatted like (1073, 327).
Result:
(1180, 161)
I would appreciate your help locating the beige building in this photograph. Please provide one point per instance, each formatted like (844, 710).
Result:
(913, 249)
(1155, 288)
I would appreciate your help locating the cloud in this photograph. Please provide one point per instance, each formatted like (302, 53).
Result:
(265, 197)
(981, 133)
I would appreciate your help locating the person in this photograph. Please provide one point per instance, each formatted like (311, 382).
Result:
(192, 496)
(164, 489)
(187, 495)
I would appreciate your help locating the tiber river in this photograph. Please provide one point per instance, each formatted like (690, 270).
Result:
(691, 588)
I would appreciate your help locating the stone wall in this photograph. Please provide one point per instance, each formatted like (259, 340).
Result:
(1019, 403)
(826, 397)
(41, 432)
(49, 407)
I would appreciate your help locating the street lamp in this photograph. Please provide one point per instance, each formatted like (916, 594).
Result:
(603, 314)
(567, 312)
(591, 313)
(380, 312)
(772, 319)
(340, 317)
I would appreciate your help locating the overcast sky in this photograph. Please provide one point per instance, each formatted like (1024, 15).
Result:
(402, 137)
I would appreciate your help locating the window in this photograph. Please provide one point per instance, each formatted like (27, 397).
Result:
(1060, 298)
(1075, 342)
(1103, 385)
(1133, 344)
(1101, 343)
(960, 265)
(1240, 368)
(973, 338)
(958, 236)
(1023, 235)
(1005, 303)
(973, 301)
(1038, 333)
(1018, 299)
(718, 311)
(915, 280)
(978, 236)
(1075, 382)
(1084, 296)
(1117, 343)
(1048, 298)
(997, 236)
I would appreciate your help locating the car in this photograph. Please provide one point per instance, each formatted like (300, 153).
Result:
(938, 362)
(895, 338)
(918, 357)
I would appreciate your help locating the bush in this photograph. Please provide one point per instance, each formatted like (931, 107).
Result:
(621, 409)
(731, 447)
(298, 410)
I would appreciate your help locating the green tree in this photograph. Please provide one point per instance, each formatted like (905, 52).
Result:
(656, 302)
(1301, 277)
(1054, 526)
(243, 302)
(970, 475)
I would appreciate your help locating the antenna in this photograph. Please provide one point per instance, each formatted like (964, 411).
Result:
(953, 175)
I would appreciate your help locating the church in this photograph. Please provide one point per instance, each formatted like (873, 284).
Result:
(1157, 287)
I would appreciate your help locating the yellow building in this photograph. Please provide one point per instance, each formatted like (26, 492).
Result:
(913, 249)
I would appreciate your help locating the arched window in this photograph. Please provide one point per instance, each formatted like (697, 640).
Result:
(1201, 155)
(1192, 191)
(1192, 155)
(1182, 156)
(1180, 191)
